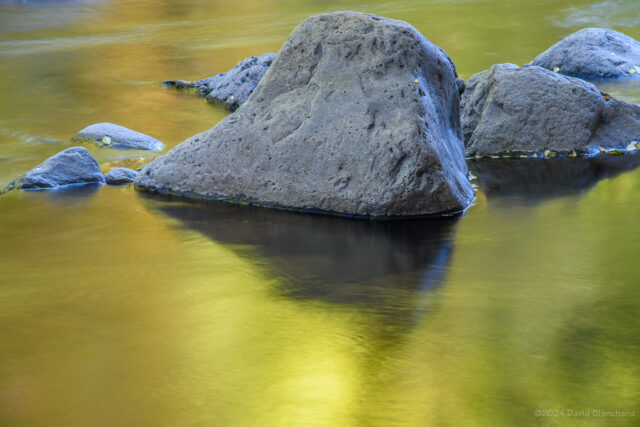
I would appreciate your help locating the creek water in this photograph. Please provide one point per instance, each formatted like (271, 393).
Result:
(121, 308)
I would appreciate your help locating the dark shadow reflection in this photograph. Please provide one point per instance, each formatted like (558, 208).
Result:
(536, 180)
(384, 264)
(67, 196)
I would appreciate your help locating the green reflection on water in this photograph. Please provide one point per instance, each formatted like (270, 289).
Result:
(120, 309)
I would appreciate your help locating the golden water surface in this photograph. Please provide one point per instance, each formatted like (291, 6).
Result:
(123, 309)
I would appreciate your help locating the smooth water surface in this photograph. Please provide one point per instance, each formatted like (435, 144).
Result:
(124, 309)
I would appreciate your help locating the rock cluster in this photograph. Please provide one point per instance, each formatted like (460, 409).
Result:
(360, 115)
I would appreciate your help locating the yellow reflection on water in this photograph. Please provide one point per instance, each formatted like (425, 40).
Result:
(121, 309)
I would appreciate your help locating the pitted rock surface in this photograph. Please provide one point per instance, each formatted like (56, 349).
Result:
(358, 115)
(528, 110)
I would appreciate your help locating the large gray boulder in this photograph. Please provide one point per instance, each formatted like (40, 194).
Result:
(115, 136)
(358, 115)
(232, 88)
(593, 53)
(508, 110)
(74, 165)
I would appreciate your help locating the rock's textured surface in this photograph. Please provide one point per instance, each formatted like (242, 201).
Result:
(115, 136)
(74, 165)
(593, 53)
(358, 115)
(234, 87)
(119, 176)
(513, 110)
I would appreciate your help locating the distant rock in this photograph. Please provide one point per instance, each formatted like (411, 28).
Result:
(115, 136)
(593, 53)
(119, 176)
(233, 87)
(74, 165)
(359, 115)
(529, 110)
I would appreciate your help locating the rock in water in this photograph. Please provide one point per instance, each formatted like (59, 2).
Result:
(74, 165)
(593, 53)
(529, 110)
(358, 115)
(115, 136)
(233, 87)
(119, 176)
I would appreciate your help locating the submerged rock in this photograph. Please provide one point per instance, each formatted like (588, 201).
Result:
(530, 110)
(74, 165)
(119, 176)
(235, 86)
(593, 53)
(116, 136)
(359, 115)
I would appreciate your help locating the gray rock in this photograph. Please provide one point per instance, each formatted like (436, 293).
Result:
(115, 136)
(74, 165)
(359, 115)
(233, 87)
(593, 53)
(515, 111)
(119, 176)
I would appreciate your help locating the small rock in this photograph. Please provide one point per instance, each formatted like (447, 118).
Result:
(119, 176)
(234, 87)
(593, 53)
(115, 136)
(74, 165)
(524, 110)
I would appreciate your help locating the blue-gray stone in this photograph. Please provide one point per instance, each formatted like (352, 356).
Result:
(116, 136)
(119, 176)
(74, 165)
(234, 87)
(593, 53)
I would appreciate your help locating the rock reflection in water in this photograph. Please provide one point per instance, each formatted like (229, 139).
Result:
(66, 197)
(540, 179)
(333, 259)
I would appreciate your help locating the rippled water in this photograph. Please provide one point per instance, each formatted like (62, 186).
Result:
(119, 308)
